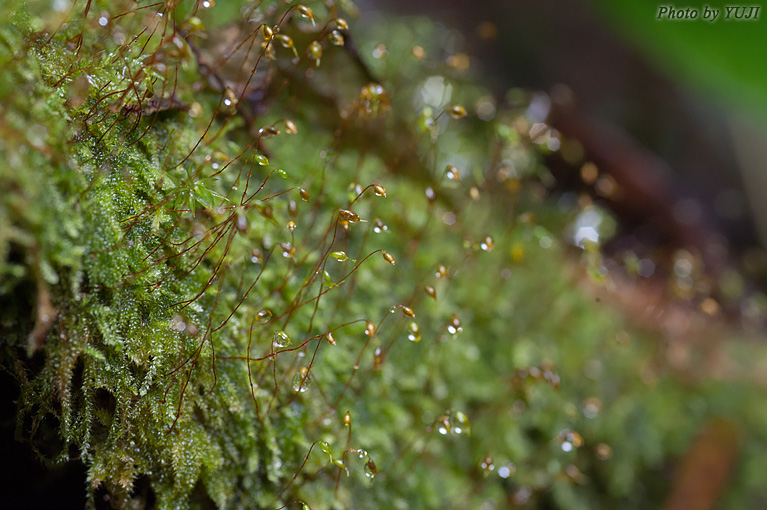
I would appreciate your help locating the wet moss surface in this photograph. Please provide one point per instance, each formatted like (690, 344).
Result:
(255, 257)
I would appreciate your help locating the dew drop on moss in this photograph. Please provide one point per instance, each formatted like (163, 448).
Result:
(487, 465)
(341, 24)
(280, 339)
(306, 12)
(441, 272)
(379, 190)
(301, 380)
(347, 419)
(264, 316)
(457, 111)
(288, 250)
(370, 328)
(336, 38)
(452, 173)
(414, 332)
(348, 215)
(370, 469)
(315, 51)
(388, 257)
(454, 326)
(379, 226)
(487, 244)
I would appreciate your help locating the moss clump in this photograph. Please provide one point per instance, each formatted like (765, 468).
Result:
(258, 284)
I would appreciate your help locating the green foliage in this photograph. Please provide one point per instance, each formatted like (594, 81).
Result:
(717, 56)
(275, 293)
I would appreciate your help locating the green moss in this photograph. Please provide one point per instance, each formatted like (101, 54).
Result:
(162, 244)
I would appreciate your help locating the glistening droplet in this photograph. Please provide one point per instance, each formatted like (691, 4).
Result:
(348, 215)
(378, 226)
(414, 332)
(264, 316)
(388, 257)
(457, 111)
(280, 339)
(301, 380)
(370, 469)
(454, 326)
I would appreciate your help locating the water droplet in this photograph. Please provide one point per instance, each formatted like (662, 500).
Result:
(370, 329)
(264, 316)
(457, 111)
(348, 215)
(329, 337)
(291, 225)
(441, 272)
(288, 250)
(306, 12)
(255, 256)
(430, 291)
(341, 24)
(454, 326)
(487, 244)
(370, 469)
(378, 226)
(280, 339)
(304, 194)
(507, 470)
(315, 50)
(301, 380)
(286, 42)
(570, 440)
(242, 223)
(230, 97)
(207, 4)
(454, 423)
(388, 257)
(266, 132)
(414, 332)
(336, 38)
(452, 173)
(339, 256)
(347, 419)
(261, 159)
(378, 357)
(487, 465)
(379, 190)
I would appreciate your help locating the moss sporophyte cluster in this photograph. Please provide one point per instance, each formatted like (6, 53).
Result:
(258, 261)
